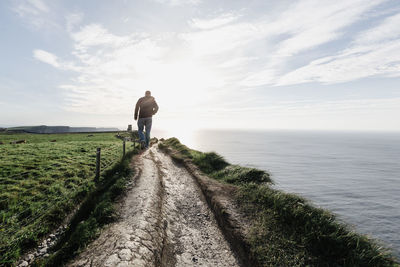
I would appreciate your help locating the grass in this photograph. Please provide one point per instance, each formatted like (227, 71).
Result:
(215, 166)
(96, 211)
(41, 181)
(286, 230)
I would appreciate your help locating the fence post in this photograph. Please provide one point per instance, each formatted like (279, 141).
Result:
(123, 148)
(98, 152)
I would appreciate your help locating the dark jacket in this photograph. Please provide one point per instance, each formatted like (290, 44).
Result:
(146, 107)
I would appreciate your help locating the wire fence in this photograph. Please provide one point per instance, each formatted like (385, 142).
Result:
(13, 227)
(29, 220)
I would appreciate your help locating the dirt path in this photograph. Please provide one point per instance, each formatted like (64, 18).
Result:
(165, 221)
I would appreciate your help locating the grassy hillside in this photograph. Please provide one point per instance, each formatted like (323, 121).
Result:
(43, 179)
(286, 230)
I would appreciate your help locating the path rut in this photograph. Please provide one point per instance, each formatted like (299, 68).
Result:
(164, 221)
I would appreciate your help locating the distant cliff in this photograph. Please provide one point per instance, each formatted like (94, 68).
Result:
(43, 129)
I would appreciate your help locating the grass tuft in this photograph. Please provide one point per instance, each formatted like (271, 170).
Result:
(208, 162)
(237, 175)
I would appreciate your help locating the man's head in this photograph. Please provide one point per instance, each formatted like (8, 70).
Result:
(147, 93)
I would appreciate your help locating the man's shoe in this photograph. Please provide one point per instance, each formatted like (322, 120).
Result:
(142, 145)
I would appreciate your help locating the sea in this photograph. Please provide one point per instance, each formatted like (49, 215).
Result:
(356, 175)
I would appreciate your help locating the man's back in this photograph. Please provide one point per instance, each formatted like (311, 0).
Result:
(146, 107)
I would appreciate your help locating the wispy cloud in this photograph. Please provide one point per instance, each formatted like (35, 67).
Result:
(213, 22)
(301, 31)
(178, 2)
(39, 15)
(30, 7)
(373, 52)
(72, 20)
(386, 31)
(46, 57)
(222, 40)
(274, 40)
(310, 23)
(54, 61)
(95, 35)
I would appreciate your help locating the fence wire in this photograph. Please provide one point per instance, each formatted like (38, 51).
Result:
(16, 225)
(35, 216)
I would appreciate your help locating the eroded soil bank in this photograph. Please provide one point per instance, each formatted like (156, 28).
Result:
(164, 221)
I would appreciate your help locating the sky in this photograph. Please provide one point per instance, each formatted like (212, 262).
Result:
(234, 64)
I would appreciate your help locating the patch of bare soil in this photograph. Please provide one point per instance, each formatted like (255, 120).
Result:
(164, 221)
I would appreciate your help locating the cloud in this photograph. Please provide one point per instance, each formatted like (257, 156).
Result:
(353, 64)
(72, 20)
(112, 71)
(372, 53)
(236, 62)
(39, 5)
(213, 22)
(222, 56)
(37, 14)
(275, 40)
(30, 7)
(95, 35)
(178, 2)
(386, 31)
(46, 57)
(326, 23)
(300, 31)
(54, 61)
(223, 39)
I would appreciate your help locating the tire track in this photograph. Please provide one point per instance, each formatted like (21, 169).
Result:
(164, 221)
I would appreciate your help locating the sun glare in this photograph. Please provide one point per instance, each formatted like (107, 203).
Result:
(181, 84)
(181, 88)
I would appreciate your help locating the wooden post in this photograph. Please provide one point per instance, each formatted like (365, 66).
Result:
(98, 158)
(123, 148)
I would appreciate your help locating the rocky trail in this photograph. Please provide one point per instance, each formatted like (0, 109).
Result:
(164, 221)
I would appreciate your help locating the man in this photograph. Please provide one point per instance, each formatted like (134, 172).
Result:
(146, 107)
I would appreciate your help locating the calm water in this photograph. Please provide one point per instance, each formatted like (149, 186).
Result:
(355, 175)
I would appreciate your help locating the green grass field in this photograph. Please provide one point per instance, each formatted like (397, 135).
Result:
(41, 181)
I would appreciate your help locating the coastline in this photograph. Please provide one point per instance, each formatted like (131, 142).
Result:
(307, 234)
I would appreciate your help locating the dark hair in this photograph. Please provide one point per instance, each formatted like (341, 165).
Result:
(147, 93)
